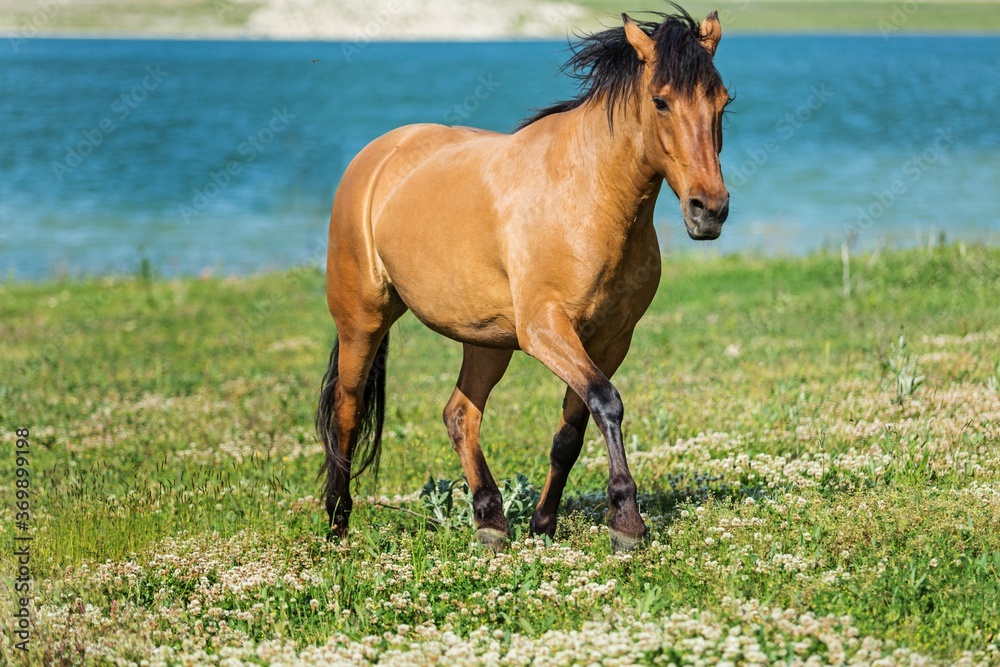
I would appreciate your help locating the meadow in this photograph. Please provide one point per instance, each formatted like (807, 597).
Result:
(818, 458)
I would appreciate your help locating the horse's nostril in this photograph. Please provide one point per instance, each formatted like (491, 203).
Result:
(724, 211)
(697, 207)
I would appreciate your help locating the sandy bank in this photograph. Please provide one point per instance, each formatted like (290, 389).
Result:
(411, 19)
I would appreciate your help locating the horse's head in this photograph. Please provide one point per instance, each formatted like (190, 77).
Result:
(681, 99)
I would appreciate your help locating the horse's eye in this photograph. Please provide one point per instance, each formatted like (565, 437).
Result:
(660, 104)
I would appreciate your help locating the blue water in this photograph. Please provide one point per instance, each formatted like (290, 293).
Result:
(114, 151)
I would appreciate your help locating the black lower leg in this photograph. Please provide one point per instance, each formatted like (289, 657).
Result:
(566, 446)
(487, 508)
(623, 515)
(338, 501)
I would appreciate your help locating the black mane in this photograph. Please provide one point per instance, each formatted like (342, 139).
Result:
(607, 66)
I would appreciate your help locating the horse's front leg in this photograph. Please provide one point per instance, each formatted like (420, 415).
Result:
(568, 441)
(551, 338)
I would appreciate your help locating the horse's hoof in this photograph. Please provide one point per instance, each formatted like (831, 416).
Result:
(493, 539)
(542, 527)
(622, 543)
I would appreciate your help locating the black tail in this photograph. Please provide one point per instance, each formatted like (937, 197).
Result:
(368, 448)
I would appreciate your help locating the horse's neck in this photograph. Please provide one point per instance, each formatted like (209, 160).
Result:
(614, 155)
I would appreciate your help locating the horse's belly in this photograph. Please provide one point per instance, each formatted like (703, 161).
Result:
(452, 284)
(497, 332)
(457, 306)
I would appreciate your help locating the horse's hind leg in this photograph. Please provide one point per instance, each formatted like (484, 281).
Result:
(351, 409)
(568, 441)
(566, 446)
(482, 368)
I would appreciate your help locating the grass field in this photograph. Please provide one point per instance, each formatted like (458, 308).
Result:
(820, 473)
(887, 18)
(228, 18)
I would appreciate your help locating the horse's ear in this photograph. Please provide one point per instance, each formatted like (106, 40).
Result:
(711, 32)
(643, 44)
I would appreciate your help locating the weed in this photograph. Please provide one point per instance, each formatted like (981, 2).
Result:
(904, 369)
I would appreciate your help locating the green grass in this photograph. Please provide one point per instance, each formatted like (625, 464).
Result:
(126, 17)
(835, 16)
(786, 481)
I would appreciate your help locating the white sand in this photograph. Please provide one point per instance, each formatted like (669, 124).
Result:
(364, 20)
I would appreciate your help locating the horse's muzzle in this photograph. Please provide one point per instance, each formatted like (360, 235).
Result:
(704, 215)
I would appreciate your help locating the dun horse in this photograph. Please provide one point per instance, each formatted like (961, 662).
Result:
(541, 240)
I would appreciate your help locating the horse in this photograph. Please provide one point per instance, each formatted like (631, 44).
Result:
(540, 240)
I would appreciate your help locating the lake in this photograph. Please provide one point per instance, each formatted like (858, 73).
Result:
(117, 150)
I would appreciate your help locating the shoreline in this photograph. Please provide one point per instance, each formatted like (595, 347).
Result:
(183, 37)
(672, 255)
(469, 20)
